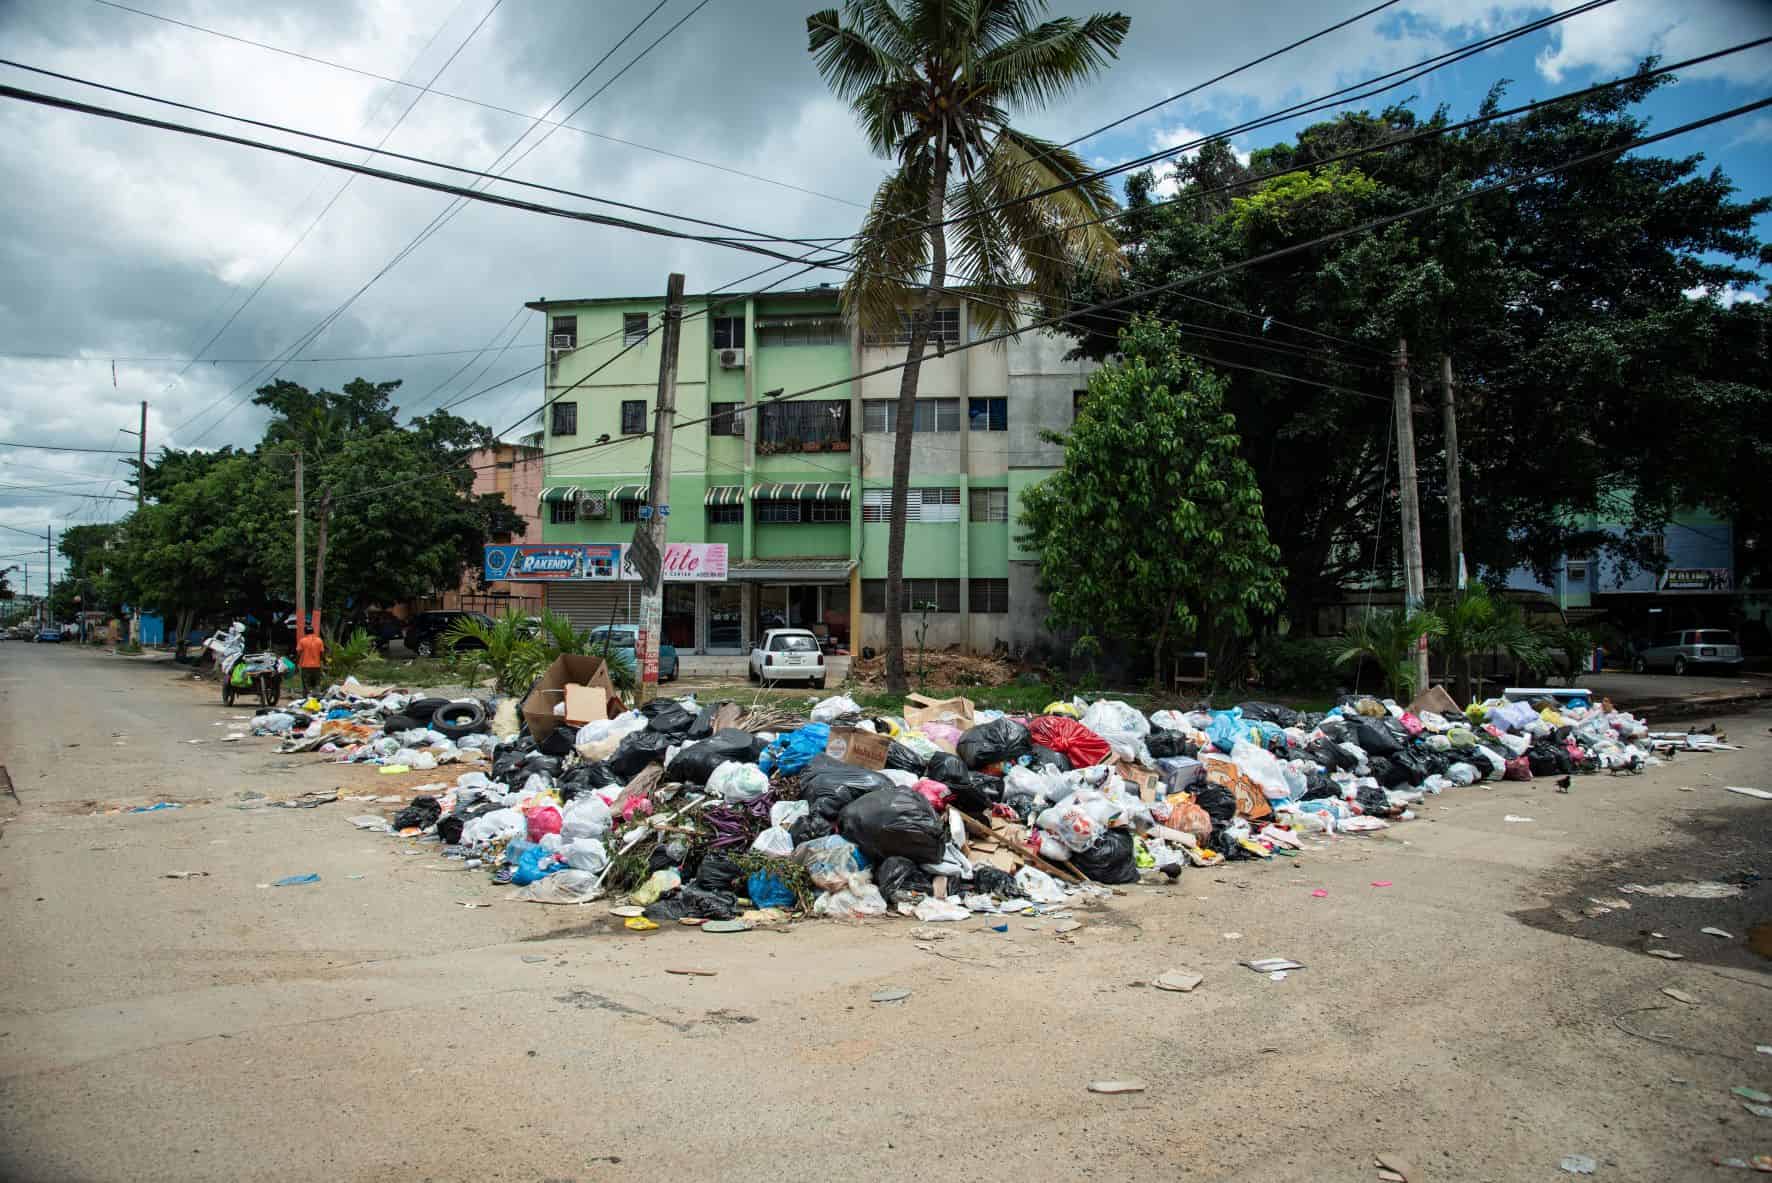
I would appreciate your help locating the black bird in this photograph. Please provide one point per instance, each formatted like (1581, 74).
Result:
(1562, 784)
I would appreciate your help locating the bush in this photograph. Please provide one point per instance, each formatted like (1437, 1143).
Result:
(346, 657)
(1296, 665)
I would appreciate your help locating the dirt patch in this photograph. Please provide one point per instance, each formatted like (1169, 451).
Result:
(1726, 846)
(946, 668)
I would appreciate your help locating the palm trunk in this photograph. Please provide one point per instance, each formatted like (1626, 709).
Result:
(896, 683)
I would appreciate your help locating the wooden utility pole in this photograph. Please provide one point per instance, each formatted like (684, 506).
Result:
(649, 535)
(320, 556)
(301, 561)
(141, 456)
(1413, 577)
(1454, 502)
(48, 577)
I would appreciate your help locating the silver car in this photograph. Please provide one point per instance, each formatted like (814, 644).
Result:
(1690, 649)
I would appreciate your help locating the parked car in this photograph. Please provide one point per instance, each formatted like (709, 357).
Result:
(788, 655)
(624, 639)
(52, 633)
(1691, 649)
(424, 632)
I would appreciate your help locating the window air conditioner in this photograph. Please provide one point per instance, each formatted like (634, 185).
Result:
(732, 359)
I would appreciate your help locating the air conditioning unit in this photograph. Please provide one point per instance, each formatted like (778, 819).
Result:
(564, 341)
(732, 359)
(593, 505)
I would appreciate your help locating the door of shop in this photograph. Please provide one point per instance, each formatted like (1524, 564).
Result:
(821, 607)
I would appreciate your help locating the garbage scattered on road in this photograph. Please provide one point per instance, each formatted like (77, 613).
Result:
(889, 995)
(1115, 1087)
(1760, 794)
(185, 875)
(1270, 965)
(1702, 889)
(1718, 932)
(1579, 1164)
(156, 807)
(1666, 954)
(1393, 1168)
(1750, 1094)
(1680, 996)
(1179, 981)
(296, 880)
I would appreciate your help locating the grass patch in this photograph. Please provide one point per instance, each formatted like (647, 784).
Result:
(1013, 699)
(416, 672)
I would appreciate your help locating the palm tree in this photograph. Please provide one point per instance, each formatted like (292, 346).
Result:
(1476, 624)
(931, 82)
(1389, 638)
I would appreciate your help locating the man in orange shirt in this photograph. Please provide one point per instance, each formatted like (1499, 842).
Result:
(310, 652)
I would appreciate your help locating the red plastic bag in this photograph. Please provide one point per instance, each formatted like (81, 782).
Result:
(933, 791)
(1519, 768)
(1411, 724)
(545, 820)
(1063, 734)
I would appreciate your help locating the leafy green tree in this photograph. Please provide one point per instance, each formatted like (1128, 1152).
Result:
(1153, 530)
(932, 83)
(1474, 624)
(1389, 638)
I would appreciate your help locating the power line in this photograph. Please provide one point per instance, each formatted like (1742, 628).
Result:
(59, 448)
(239, 361)
(442, 94)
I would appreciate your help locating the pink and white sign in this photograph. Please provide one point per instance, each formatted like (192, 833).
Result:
(687, 562)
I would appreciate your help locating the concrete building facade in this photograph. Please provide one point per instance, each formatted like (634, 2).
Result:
(783, 453)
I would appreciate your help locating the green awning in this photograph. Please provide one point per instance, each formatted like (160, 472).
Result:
(802, 492)
(630, 493)
(724, 495)
(554, 494)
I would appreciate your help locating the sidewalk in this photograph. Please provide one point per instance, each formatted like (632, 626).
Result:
(1662, 696)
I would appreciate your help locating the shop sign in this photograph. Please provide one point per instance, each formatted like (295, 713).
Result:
(1697, 579)
(537, 562)
(684, 562)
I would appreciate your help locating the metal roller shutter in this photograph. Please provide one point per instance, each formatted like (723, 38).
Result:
(591, 605)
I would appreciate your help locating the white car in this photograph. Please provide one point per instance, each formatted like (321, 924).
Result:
(788, 655)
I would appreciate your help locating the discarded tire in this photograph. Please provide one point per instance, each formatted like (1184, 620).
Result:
(456, 719)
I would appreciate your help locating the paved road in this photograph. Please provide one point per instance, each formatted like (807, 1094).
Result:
(371, 1028)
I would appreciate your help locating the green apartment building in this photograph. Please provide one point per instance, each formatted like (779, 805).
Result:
(797, 486)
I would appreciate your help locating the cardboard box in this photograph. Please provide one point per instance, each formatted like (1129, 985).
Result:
(568, 669)
(585, 703)
(864, 749)
(920, 709)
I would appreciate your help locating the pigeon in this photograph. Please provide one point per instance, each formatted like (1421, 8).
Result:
(1562, 784)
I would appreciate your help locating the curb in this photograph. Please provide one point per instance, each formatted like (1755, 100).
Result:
(1733, 703)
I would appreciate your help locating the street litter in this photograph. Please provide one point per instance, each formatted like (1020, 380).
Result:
(185, 875)
(1703, 889)
(1270, 965)
(681, 811)
(1579, 1164)
(1680, 996)
(1178, 980)
(1754, 1095)
(296, 880)
(1515, 818)
(1718, 932)
(1666, 954)
(1115, 1087)
(1757, 1110)
(156, 807)
(1762, 794)
(890, 995)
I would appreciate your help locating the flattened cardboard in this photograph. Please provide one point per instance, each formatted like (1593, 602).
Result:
(864, 749)
(569, 668)
(585, 704)
(920, 709)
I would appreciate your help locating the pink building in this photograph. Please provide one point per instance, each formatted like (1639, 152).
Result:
(515, 471)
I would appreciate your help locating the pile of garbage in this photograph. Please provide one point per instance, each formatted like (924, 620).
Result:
(357, 724)
(709, 814)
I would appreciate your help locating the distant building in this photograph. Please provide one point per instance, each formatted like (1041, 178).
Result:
(796, 489)
(515, 471)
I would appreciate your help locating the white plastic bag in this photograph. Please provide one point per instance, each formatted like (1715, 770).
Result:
(585, 816)
(858, 897)
(1039, 886)
(1121, 725)
(783, 814)
(1262, 767)
(838, 706)
(775, 841)
(735, 781)
(929, 908)
(900, 777)
(585, 854)
(490, 827)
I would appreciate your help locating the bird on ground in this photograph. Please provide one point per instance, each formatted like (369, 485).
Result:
(1562, 784)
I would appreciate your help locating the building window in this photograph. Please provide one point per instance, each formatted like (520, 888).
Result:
(777, 513)
(989, 505)
(988, 595)
(937, 595)
(827, 511)
(789, 426)
(562, 513)
(725, 515)
(1577, 571)
(921, 505)
(729, 332)
(563, 333)
(800, 330)
(634, 327)
(1078, 397)
(880, 415)
(945, 328)
(724, 419)
(565, 419)
(988, 414)
(630, 510)
(633, 416)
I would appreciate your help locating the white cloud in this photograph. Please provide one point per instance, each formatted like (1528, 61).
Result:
(1729, 297)
(1613, 39)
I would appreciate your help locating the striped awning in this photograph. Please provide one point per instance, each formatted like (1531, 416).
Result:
(630, 493)
(805, 492)
(557, 493)
(724, 495)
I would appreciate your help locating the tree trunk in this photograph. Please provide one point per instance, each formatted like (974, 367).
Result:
(896, 682)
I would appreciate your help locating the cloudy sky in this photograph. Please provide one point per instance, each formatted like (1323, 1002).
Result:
(127, 245)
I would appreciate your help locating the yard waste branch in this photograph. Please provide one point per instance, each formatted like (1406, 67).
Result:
(731, 816)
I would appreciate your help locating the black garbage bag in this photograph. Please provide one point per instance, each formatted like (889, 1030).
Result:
(1219, 803)
(811, 828)
(828, 785)
(1170, 743)
(669, 717)
(449, 829)
(902, 758)
(1435, 760)
(1336, 728)
(637, 750)
(1371, 800)
(1375, 737)
(1041, 757)
(665, 857)
(1269, 712)
(703, 726)
(1001, 741)
(1379, 769)
(1317, 785)
(1409, 767)
(539, 762)
(582, 778)
(709, 905)
(695, 763)
(717, 872)
(901, 879)
(558, 742)
(894, 821)
(1548, 759)
(991, 881)
(1110, 860)
(977, 793)
(423, 812)
(1329, 756)
(946, 768)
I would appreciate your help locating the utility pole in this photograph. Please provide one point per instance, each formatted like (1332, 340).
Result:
(301, 562)
(141, 456)
(649, 535)
(1413, 577)
(320, 555)
(1454, 502)
(48, 576)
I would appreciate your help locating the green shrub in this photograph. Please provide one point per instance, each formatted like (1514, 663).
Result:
(1296, 665)
(346, 657)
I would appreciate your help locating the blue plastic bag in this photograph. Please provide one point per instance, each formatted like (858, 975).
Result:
(794, 750)
(766, 891)
(1227, 728)
(531, 863)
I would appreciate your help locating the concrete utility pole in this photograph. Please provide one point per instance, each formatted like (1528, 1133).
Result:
(320, 556)
(48, 576)
(301, 562)
(1454, 502)
(141, 455)
(649, 535)
(1414, 580)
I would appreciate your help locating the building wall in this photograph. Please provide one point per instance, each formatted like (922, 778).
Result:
(513, 471)
(1693, 539)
